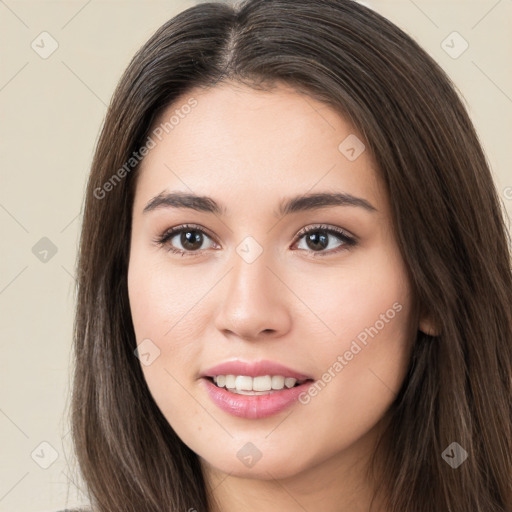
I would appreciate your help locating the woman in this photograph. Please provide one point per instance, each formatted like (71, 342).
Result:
(294, 280)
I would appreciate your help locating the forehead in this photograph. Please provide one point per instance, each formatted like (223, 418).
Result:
(238, 141)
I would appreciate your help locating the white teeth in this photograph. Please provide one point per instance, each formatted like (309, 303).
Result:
(263, 383)
(277, 382)
(230, 381)
(289, 382)
(244, 384)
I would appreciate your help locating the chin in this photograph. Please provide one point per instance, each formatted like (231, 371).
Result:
(276, 465)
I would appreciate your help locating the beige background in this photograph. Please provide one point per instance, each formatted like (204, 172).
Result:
(51, 110)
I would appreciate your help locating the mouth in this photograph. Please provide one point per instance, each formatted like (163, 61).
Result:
(254, 397)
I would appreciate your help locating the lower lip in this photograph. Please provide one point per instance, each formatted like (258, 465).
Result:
(254, 406)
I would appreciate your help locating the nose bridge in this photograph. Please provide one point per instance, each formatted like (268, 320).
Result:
(250, 277)
(254, 299)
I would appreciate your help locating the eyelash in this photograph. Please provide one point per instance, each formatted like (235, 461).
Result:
(348, 241)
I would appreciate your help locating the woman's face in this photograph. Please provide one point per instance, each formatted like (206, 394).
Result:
(332, 306)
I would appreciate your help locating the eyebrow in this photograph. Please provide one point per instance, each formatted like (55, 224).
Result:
(311, 201)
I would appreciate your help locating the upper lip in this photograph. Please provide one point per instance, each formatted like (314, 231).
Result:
(253, 369)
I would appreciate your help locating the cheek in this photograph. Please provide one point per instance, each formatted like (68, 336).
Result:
(369, 291)
(364, 353)
(162, 299)
(168, 319)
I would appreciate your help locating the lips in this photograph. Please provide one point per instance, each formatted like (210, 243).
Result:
(254, 369)
(254, 407)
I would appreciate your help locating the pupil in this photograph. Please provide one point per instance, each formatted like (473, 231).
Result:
(189, 238)
(315, 239)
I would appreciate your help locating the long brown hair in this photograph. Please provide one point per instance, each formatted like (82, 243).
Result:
(449, 223)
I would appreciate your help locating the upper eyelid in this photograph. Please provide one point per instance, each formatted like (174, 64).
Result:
(178, 229)
(326, 227)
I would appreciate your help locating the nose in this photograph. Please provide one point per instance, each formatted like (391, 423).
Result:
(254, 301)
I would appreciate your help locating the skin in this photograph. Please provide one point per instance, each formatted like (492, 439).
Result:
(248, 150)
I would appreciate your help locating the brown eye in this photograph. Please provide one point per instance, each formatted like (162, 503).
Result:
(184, 240)
(191, 240)
(318, 238)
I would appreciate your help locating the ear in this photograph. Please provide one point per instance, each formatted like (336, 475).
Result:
(427, 325)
